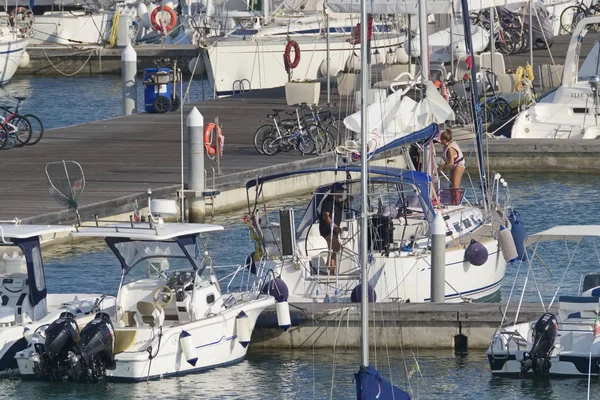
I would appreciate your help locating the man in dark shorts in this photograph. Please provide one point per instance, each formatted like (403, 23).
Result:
(329, 222)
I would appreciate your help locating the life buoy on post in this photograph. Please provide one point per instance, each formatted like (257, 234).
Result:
(287, 60)
(22, 18)
(164, 22)
(208, 145)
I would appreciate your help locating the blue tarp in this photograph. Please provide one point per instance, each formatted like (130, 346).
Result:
(371, 385)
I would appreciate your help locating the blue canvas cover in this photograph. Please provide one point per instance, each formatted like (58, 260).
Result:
(371, 385)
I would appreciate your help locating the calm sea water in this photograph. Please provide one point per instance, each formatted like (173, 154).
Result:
(544, 200)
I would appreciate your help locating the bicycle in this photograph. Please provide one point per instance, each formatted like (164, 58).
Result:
(495, 107)
(29, 127)
(298, 137)
(570, 16)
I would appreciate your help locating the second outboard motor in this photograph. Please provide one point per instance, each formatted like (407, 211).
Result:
(50, 358)
(544, 335)
(96, 350)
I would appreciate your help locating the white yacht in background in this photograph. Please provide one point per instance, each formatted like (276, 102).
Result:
(571, 111)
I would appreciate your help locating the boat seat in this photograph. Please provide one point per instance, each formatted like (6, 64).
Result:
(577, 307)
(124, 339)
(152, 314)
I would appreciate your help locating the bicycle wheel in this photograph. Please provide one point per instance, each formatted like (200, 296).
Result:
(570, 17)
(333, 136)
(319, 136)
(270, 146)
(37, 129)
(3, 135)
(506, 42)
(501, 109)
(259, 136)
(22, 129)
(306, 144)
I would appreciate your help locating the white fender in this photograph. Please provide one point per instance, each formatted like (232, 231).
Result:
(188, 347)
(242, 325)
(24, 61)
(144, 15)
(283, 315)
(507, 245)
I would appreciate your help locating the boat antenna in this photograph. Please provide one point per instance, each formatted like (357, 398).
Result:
(66, 183)
(364, 88)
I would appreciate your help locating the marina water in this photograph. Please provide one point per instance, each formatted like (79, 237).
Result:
(544, 200)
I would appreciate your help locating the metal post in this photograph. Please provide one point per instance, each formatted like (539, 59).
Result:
(128, 74)
(195, 133)
(451, 19)
(218, 146)
(409, 39)
(424, 40)
(530, 33)
(493, 42)
(438, 259)
(327, 55)
(365, 79)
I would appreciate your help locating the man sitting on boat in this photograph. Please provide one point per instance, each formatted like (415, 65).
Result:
(332, 208)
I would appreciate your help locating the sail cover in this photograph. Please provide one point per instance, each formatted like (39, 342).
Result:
(371, 385)
(398, 116)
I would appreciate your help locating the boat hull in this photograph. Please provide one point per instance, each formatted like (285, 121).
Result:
(10, 58)
(238, 65)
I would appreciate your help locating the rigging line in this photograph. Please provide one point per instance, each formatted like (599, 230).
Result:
(566, 270)
(543, 34)
(335, 354)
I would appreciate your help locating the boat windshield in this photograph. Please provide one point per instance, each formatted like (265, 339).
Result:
(146, 259)
(387, 198)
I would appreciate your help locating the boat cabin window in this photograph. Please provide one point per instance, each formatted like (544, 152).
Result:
(590, 281)
(153, 260)
(38, 268)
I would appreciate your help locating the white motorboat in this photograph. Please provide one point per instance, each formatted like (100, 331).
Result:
(563, 344)
(171, 316)
(571, 111)
(26, 305)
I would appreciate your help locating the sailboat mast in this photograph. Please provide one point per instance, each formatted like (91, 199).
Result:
(364, 88)
(475, 106)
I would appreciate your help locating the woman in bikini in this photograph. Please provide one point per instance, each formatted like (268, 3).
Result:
(453, 160)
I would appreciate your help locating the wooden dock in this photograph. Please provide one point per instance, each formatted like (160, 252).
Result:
(122, 157)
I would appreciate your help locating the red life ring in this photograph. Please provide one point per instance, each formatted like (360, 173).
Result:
(287, 61)
(159, 23)
(21, 17)
(208, 132)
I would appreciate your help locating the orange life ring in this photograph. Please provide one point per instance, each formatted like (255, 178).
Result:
(159, 23)
(208, 132)
(287, 61)
(21, 17)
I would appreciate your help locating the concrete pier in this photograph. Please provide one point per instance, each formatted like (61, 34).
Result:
(423, 325)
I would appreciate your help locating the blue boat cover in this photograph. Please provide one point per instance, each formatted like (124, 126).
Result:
(371, 385)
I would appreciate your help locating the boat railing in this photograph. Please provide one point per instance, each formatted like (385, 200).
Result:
(150, 225)
(15, 221)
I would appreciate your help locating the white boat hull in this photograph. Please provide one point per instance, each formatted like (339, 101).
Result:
(235, 65)
(10, 57)
(442, 43)
(69, 29)
(215, 339)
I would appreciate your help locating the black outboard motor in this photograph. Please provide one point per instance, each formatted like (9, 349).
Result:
(95, 353)
(62, 336)
(544, 335)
